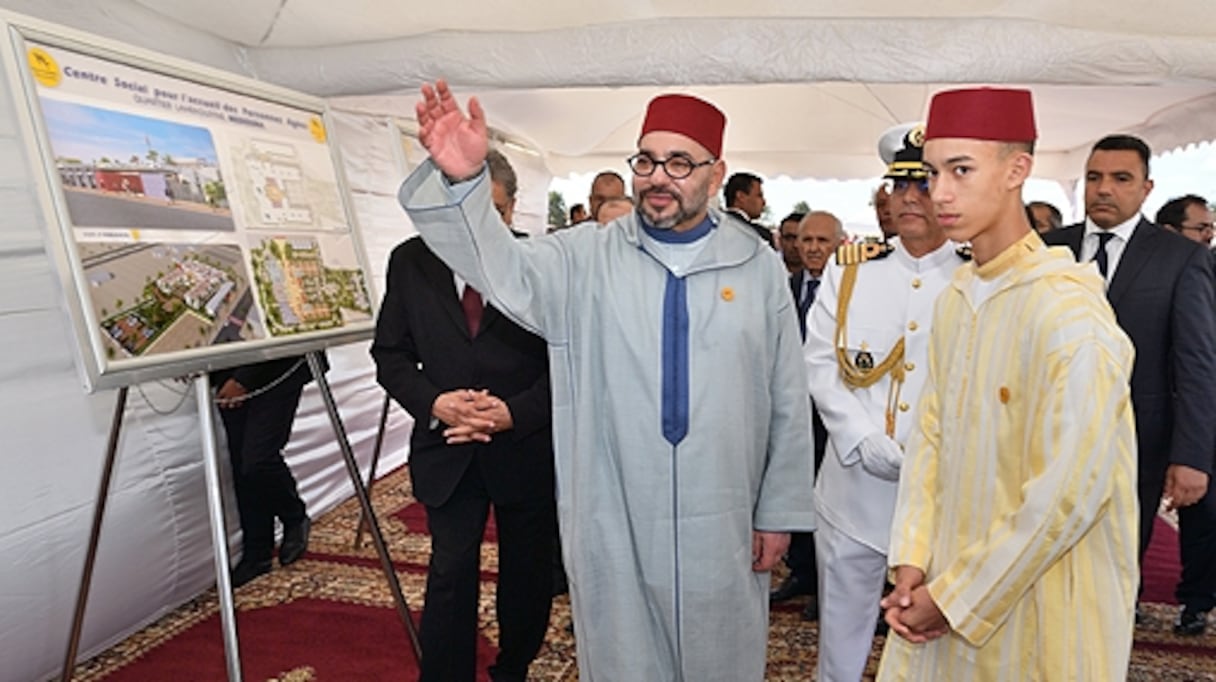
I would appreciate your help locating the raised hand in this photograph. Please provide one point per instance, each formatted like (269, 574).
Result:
(457, 144)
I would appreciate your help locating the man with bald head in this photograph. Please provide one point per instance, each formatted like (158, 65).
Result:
(817, 233)
(675, 497)
(612, 209)
(606, 185)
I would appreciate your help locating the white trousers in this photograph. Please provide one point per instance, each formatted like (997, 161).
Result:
(851, 579)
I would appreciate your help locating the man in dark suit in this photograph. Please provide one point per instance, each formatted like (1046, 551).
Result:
(477, 386)
(258, 406)
(1161, 288)
(819, 234)
(744, 195)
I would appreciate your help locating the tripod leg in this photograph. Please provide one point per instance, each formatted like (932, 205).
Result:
(219, 534)
(371, 474)
(90, 555)
(352, 468)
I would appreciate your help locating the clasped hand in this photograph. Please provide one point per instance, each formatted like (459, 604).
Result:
(910, 609)
(471, 416)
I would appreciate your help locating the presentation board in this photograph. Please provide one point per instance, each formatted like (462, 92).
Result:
(198, 219)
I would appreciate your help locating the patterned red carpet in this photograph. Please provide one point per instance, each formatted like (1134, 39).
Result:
(330, 616)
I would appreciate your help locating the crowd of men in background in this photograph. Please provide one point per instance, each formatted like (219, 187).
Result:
(743, 196)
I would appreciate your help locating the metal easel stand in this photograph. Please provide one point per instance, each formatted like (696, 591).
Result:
(219, 535)
(365, 503)
(371, 474)
(90, 554)
(219, 538)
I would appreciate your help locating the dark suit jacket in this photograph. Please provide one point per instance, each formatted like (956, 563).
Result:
(765, 234)
(422, 348)
(1162, 293)
(819, 431)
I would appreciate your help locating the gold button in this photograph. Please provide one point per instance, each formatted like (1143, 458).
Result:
(912, 326)
(909, 367)
(903, 407)
(916, 283)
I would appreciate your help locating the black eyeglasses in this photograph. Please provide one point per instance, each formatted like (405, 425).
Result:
(676, 167)
(900, 185)
(1200, 228)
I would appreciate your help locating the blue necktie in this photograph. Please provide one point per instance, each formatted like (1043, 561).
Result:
(1100, 257)
(808, 297)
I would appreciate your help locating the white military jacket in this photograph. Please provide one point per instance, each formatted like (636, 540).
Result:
(893, 297)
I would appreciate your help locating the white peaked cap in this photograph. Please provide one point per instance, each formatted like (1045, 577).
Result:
(893, 140)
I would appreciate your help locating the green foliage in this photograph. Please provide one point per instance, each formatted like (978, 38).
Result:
(802, 207)
(557, 209)
(215, 192)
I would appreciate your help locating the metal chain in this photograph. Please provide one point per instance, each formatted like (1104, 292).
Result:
(182, 397)
(253, 394)
(185, 394)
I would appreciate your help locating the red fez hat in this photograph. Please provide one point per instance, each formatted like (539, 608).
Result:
(688, 116)
(997, 114)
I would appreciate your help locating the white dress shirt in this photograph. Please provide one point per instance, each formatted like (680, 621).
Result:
(1114, 248)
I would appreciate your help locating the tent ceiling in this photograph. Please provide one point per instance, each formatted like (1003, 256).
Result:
(808, 85)
(815, 130)
(317, 23)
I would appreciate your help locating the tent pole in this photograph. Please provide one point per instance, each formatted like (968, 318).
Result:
(90, 555)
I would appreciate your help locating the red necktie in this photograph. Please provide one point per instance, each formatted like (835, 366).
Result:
(470, 300)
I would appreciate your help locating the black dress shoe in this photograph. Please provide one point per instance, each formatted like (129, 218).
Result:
(810, 613)
(248, 570)
(295, 542)
(1191, 622)
(792, 586)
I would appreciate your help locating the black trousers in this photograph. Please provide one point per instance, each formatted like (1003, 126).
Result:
(523, 596)
(257, 432)
(800, 558)
(1196, 539)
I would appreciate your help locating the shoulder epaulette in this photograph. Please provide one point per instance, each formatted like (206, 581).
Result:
(964, 252)
(849, 254)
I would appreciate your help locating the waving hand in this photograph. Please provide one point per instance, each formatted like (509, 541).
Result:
(457, 144)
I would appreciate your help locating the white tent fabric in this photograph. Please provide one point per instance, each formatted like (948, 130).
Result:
(808, 86)
(569, 77)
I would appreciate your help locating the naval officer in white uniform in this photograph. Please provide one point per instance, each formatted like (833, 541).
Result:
(866, 354)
